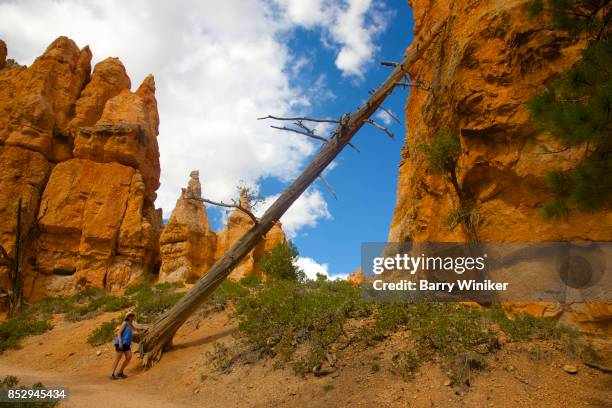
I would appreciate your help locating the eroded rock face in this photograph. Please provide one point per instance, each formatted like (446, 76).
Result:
(187, 242)
(81, 151)
(189, 247)
(2, 54)
(488, 63)
(43, 99)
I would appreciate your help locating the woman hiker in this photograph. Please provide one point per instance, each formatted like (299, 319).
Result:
(123, 343)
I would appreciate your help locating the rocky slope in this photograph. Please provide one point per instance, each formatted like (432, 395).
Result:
(488, 62)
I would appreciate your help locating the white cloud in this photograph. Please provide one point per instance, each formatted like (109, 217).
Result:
(307, 211)
(312, 267)
(384, 117)
(217, 68)
(350, 26)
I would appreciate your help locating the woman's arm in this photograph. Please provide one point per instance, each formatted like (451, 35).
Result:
(138, 327)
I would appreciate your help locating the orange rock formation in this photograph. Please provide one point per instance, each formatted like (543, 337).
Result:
(187, 243)
(80, 149)
(487, 64)
(189, 247)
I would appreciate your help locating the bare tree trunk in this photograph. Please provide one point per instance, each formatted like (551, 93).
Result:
(159, 335)
(16, 297)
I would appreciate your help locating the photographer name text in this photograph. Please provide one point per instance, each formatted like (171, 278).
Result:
(425, 285)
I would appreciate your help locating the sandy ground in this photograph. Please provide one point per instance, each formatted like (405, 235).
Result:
(520, 375)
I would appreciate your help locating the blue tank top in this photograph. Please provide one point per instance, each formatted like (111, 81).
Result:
(126, 335)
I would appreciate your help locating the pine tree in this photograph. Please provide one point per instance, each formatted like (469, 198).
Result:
(576, 109)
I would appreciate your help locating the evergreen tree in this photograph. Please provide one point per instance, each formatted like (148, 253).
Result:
(443, 154)
(576, 108)
(279, 264)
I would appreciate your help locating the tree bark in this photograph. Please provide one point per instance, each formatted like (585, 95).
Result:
(159, 336)
(16, 297)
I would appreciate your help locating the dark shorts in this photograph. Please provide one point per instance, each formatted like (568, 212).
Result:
(126, 347)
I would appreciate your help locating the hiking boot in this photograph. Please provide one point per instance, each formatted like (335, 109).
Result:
(121, 375)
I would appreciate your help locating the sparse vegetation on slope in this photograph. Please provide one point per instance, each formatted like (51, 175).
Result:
(149, 300)
(10, 381)
(304, 324)
(310, 314)
(15, 329)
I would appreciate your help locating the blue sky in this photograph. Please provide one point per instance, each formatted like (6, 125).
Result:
(366, 182)
(220, 65)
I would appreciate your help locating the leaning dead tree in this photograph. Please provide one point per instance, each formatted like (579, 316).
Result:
(158, 337)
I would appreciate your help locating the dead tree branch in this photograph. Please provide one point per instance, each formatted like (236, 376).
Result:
(299, 118)
(307, 132)
(381, 128)
(387, 111)
(234, 205)
(389, 64)
(158, 337)
(311, 135)
(417, 85)
(301, 125)
(329, 188)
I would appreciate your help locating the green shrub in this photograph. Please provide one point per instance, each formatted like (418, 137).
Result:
(442, 154)
(438, 330)
(114, 304)
(228, 290)
(448, 328)
(150, 308)
(526, 327)
(15, 329)
(389, 317)
(443, 151)
(149, 300)
(285, 314)
(406, 364)
(279, 264)
(574, 16)
(167, 286)
(105, 333)
(250, 281)
(50, 306)
(97, 303)
(139, 287)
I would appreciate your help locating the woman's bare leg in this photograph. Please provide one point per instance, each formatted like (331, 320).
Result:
(126, 361)
(117, 358)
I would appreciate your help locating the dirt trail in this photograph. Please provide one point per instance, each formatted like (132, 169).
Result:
(90, 390)
(520, 375)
